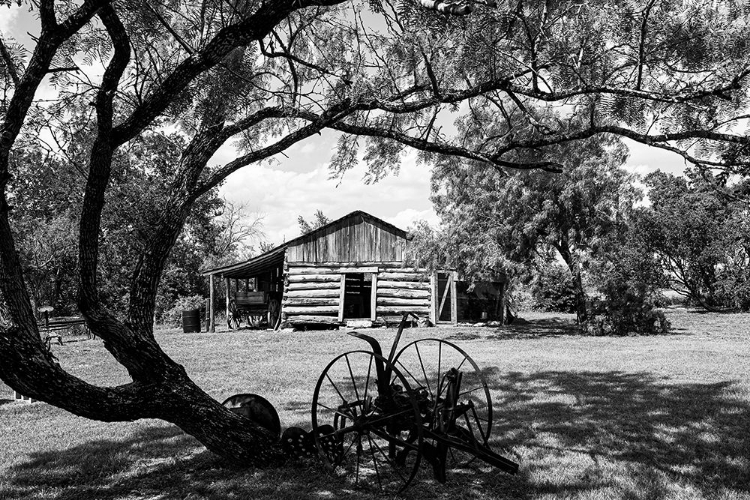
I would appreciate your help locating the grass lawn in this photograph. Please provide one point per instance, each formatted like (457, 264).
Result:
(664, 417)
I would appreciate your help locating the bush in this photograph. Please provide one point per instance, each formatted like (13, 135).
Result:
(628, 315)
(628, 298)
(552, 290)
(173, 316)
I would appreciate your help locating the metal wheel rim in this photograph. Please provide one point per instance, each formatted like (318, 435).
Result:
(358, 440)
(415, 373)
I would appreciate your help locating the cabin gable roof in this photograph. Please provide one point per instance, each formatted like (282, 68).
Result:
(357, 236)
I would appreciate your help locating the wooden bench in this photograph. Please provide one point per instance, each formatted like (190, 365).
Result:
(55, 328)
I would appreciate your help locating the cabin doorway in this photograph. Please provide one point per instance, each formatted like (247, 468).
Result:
(357, 295)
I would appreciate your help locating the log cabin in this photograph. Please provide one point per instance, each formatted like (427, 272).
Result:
(350, 271)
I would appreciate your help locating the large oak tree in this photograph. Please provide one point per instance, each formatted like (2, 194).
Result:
(266, 75)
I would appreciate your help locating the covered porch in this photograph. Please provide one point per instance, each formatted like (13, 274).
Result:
(250, 287)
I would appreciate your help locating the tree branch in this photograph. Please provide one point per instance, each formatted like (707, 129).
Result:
(253, 28)
(100, 165)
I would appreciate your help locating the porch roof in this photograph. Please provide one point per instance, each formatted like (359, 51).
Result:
(252, 267)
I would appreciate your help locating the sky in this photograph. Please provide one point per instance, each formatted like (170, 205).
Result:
(298, 182)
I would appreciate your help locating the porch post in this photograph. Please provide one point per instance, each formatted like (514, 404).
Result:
(342, 296)
(433, 298)
(454, 298)
(211, 315)
(374, 297)
(228, 283)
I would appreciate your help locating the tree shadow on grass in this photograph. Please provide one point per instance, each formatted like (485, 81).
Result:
(624, 435)
(575, 435)
(536, 328)
(157, 462)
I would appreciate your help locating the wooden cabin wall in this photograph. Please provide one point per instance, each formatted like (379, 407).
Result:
(314, 293)
(403, 290)
(353, 240)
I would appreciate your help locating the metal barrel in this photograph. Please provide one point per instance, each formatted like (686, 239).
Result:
(191, 321)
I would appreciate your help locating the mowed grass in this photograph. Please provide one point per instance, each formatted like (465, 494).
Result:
(664, 417)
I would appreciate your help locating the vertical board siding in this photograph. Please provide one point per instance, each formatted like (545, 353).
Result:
(351, 240)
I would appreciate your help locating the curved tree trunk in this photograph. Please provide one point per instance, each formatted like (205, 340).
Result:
(574, 267)
(160, 388)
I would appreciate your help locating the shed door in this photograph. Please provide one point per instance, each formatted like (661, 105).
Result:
(446, 298)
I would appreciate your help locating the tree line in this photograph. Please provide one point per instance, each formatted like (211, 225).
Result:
(45, 219)
(620, 240)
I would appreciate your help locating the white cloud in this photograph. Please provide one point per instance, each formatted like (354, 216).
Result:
(308, 147)
(641, 169)
(283, 195)
(9, 19)
(407, 218)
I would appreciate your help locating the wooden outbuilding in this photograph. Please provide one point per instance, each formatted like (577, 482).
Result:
(352, 269)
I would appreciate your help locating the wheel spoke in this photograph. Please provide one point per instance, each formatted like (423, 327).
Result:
(343, 399)
(367, 381)
(346, 451)
(351, 374)
(337, 411)
(462, 363)
(426, 378)
(471, 390)
(479, 427)
(419, 382)
(390, 462)
(440, 359)
(374, 462)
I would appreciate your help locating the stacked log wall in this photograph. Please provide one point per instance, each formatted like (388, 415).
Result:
(403, 290)
(313, 293)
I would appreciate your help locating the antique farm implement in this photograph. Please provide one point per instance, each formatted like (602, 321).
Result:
(375, 419)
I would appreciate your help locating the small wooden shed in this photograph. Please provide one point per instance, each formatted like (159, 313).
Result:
(350, 269)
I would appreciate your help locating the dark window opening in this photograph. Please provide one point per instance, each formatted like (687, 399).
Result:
(357, 295)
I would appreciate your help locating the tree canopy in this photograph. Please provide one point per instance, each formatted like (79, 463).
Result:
(518, 78)
(493, 221)
(701, 236)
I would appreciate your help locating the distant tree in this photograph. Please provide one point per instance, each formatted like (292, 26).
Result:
(46, 228)
(626, 279)
(701, 236)
(523, 216)
(238, 228)
(318, 221)
(265, 246)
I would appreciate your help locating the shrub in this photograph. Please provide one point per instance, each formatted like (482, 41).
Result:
(173, 316)
(627, 315)
(628, 296)
(552, 290)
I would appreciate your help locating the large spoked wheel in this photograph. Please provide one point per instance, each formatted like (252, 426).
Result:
(372, 439)
(233, 316)
(431, 365)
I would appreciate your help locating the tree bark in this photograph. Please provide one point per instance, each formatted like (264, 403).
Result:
(574, 267)
(160, 388)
